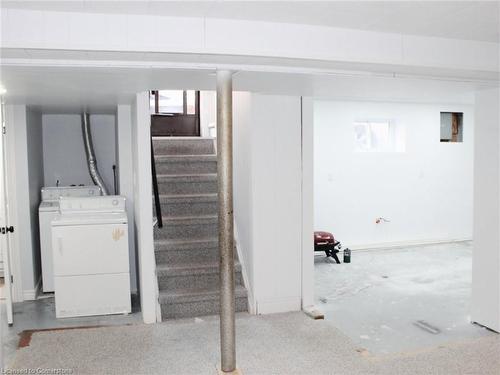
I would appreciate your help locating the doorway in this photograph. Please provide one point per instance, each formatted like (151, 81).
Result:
(387, 188)
(175, 113)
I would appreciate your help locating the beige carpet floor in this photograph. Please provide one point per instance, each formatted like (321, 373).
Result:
(272, 344)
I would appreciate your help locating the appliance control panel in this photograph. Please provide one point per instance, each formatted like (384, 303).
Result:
(103, 203)
(54, 193)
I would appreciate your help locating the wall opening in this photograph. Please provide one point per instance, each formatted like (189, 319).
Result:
(452, 127)
(406, 216)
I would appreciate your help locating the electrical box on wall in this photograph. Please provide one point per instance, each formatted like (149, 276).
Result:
(452, 126)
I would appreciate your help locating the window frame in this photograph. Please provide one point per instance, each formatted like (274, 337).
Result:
(391, 129)
(156, 94)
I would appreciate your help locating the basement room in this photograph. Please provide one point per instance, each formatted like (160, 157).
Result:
(250, 187)
(393, 214)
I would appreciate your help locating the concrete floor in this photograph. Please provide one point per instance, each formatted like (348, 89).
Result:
(371, 306)
(40, 315)
(277, 344)
(402, 299)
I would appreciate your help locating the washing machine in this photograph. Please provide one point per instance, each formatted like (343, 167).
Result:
(47, 211)
(91, 257)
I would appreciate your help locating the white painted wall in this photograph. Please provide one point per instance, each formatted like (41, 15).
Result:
(307, 202)
(125, 174)
(425, 192)
(242, 185)
(34, 133)
(64, 152)
(485, 306)
(25, 177)
(268, 202)
(143, 208)
(208, 113)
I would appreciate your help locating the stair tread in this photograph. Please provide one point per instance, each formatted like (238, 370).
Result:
(165, 244)
(187, 176)
(187, 268)
(188, 195)
(185, 242)
(189, 218)
(187, 198)
(186, 158)
(167, 138)
(198, 294)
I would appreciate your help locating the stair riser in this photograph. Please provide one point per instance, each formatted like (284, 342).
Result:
(186, 167)
(200, 308)
(201, 281)
(186, 232)
(189, 209)
(174, 187)
(184, 147)
(202, 255)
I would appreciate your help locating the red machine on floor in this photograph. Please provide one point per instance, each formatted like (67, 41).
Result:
(324, 241)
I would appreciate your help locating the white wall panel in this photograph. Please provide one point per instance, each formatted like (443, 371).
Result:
(56, 29)
(288, 40)
(425, 192)
(243, 197)
(143, 208)
(34, 133)
(485, 304)
(64, 152)
(126, 179)
(122, 32)
(25, 178)
(449, 53)
(270, 185)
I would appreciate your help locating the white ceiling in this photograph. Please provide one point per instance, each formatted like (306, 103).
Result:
(72, 89)
(471, 20)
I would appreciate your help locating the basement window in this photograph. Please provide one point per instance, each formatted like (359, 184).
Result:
(174, 102)
(378, 136)
(452, 126)
(175, 113)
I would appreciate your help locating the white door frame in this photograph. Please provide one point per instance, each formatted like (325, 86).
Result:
(143, 210)
(4, 219)
(307, 276)
(11, 111)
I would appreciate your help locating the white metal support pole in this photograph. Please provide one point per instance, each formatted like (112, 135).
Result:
(225, 205)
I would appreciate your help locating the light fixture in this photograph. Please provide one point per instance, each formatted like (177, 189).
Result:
(2, 90)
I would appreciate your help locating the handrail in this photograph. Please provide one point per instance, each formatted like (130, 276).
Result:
(155, 187)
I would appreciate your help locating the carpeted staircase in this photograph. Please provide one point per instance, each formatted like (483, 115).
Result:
(186, 248)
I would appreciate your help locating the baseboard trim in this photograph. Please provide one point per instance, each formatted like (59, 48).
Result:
(252, 308)
(157, 300)
(395, 245)
(32, 294)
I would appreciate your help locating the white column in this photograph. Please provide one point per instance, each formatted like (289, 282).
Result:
(143, 207)
(125, 179)
(485, 306)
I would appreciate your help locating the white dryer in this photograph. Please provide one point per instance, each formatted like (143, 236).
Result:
(47, 211)
(91, 257)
